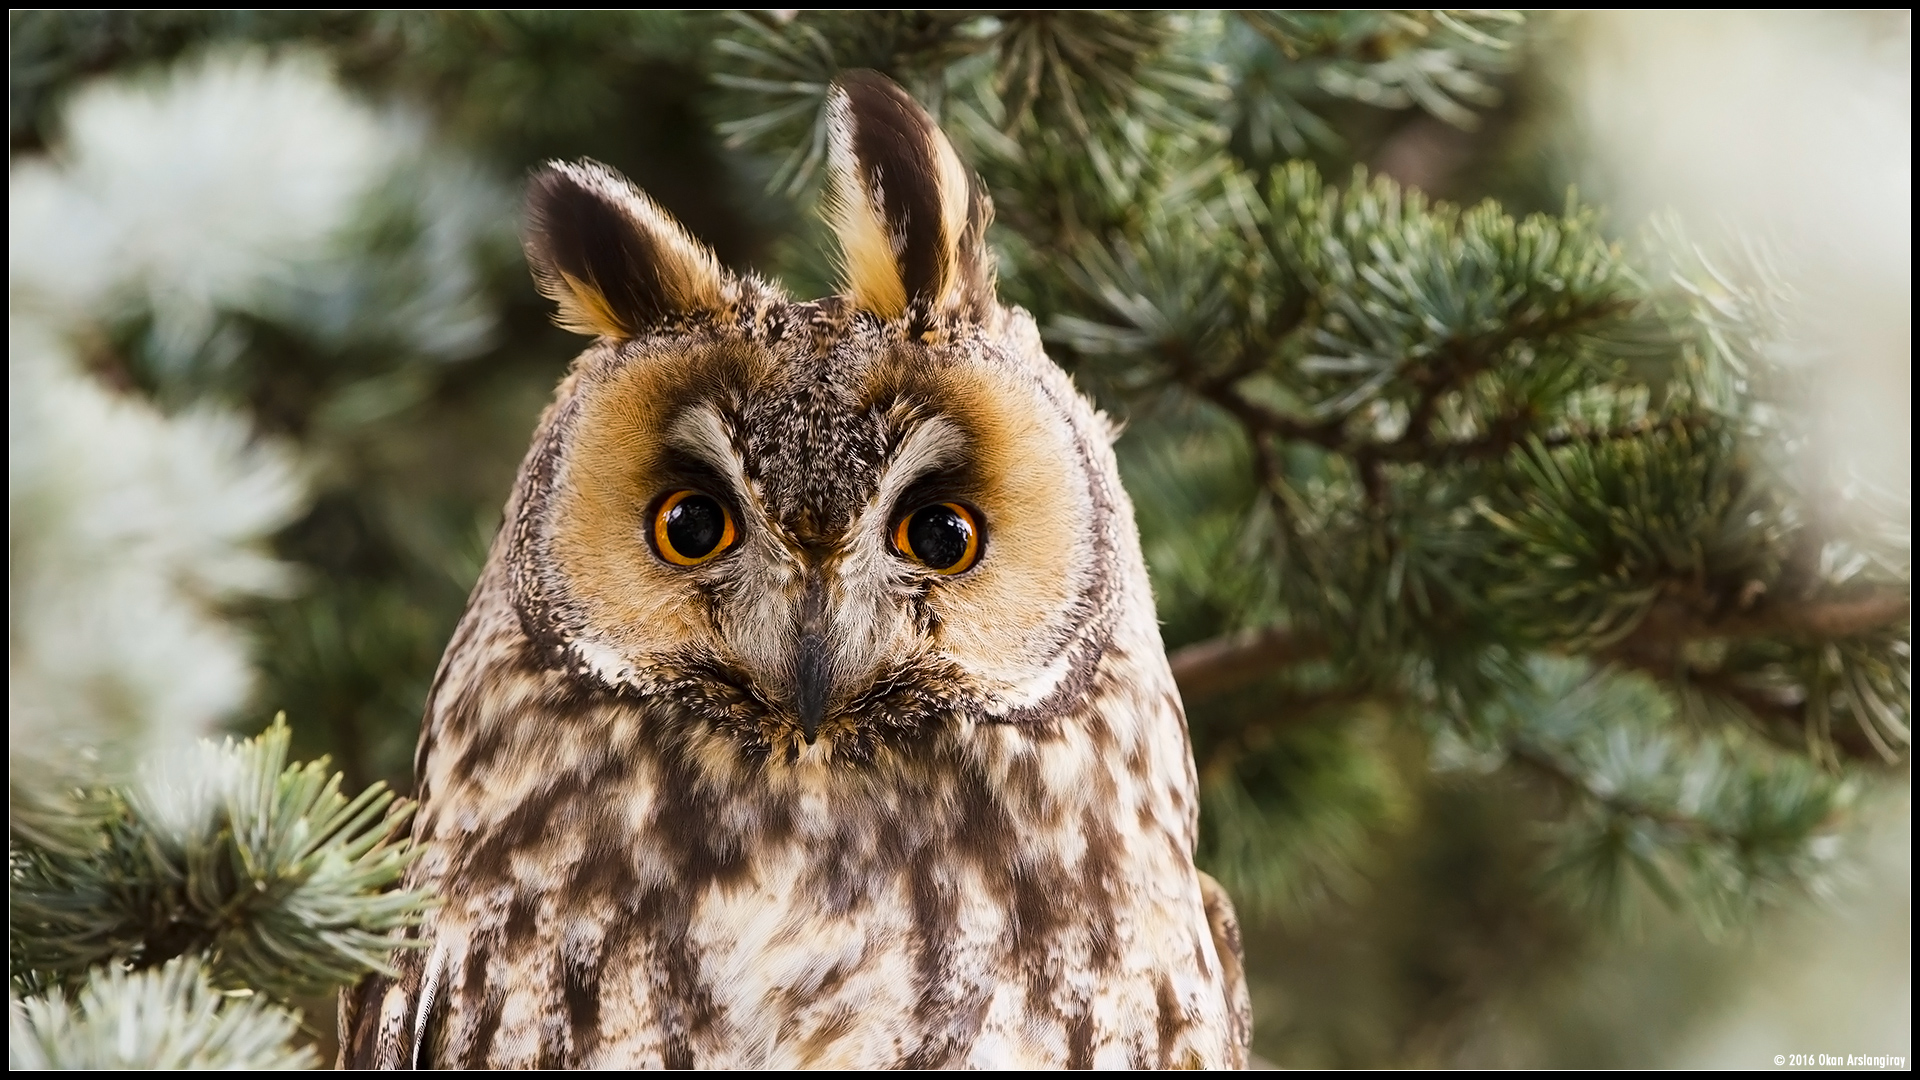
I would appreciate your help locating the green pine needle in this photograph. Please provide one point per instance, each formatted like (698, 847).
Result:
(1714, 824)
(266, 868)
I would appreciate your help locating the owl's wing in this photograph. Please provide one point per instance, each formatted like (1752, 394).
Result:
(383, 1018)
(373, 1026)
(1226, 941)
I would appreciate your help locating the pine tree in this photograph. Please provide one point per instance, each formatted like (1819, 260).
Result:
(1506, 501)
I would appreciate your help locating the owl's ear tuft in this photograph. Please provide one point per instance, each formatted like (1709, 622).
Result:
(616, 263)
(910, 218)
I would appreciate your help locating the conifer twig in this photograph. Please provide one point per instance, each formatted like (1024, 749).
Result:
(1218, 665)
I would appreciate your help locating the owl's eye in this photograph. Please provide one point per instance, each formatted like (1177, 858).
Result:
(943, 537)
(690, 527)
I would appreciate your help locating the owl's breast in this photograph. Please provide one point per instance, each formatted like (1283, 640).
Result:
(792, 961)
(616, 901)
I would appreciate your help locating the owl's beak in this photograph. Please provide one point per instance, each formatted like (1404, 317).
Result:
(813, 682)
(813, 662)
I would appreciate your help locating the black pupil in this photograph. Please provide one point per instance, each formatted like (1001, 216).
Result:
(938, 535)
(695, 526)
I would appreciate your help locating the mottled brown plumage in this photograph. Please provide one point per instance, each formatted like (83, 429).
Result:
(809, 802)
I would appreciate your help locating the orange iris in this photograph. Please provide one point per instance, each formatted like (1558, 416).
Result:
(690, 527)
(943, 537)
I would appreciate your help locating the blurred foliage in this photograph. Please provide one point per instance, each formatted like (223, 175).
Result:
(1525, 487)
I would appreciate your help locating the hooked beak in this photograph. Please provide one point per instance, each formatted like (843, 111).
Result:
(813, 683)
(813, 665)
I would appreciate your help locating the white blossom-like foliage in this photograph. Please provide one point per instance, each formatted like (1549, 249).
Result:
(193, 190)
(128, 528)
(224, 183)
(237, 181)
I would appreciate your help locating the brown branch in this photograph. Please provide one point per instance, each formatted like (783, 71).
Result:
(1670, 621)
(1227, 663)
(1230, 662)
(1845, 618)
(1654, 647)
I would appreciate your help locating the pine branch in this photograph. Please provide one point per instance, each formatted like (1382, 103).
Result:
(54, 813)
(1781, 712)
(1394, 59)
(265, 868)
(1572, 780)
(1839, 645)
(1669, 621)
(1222, 664)
(1281, 714)
(1708, 823)
(1353, 298)
(166, 1018)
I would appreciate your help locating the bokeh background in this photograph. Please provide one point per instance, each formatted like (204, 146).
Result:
(274, 357)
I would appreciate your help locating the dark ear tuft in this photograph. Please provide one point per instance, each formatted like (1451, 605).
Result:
(615, 262)
(910, 218)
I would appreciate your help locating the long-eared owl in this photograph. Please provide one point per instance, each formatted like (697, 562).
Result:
(811, 710)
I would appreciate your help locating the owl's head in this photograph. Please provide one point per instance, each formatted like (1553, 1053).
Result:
(817, 530)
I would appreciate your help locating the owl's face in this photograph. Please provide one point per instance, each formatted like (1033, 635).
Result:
(815, 529)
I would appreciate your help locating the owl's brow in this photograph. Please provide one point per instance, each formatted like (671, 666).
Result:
(704, 435)
(933, 445)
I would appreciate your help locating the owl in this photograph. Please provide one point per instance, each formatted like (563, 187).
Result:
(810, 710)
